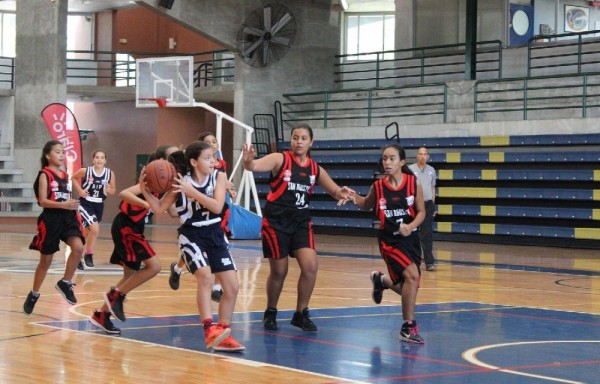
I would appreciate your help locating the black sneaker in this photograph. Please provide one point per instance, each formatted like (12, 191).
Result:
(216, 295)
(89, 261)
(410, 333)
(174, 277)
(302, 320)
(378, 287)
(102, 321)
(65, 288)
(30, 303)
(430, 267)
(80, 266)
(114, 300)
(270, 319)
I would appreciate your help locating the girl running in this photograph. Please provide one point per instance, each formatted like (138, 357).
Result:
(58, 221)
(199, 199)
(400, 208)
(95, 184)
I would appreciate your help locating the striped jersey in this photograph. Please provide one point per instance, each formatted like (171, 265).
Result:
(95, 185)
(395, 206)
(59, 188)
(294, 183)
(190, 211)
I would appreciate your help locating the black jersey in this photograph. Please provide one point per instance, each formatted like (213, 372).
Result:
(395, 206)
(193, 213)
(59, 188)
(136, 213)
(95, 185)
(294, 183)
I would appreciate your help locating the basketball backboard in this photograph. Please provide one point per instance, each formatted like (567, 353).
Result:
(161, 78)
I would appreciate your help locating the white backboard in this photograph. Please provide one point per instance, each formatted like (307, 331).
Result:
(165, 77)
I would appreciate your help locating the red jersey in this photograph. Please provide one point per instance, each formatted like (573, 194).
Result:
(294, 183)
(395, 206)
(58, 185)
(221, 165)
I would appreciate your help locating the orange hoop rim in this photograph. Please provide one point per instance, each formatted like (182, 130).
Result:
(160, 101)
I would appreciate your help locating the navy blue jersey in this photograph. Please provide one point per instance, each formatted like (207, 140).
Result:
(95, 185)
(193, 213)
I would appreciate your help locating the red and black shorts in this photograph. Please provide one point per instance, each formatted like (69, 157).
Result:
(399, 253)
(131, 247)
(54, 225)
(285, 233)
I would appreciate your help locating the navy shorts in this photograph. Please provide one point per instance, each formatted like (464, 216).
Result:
(90, 212)
(205, 247)
(54, 225)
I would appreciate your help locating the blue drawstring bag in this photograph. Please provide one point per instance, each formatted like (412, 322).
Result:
(243, 224)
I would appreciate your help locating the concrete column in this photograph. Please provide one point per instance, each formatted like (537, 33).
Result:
(40, 74)
(405, 24)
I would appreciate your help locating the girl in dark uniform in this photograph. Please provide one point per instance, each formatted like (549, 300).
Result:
(199, 199)
(58, 221)
(400, 209)
(95, 184)
(286, 225)
(131, 249)
(177, 268)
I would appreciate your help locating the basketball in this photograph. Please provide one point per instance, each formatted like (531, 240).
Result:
(160, 176)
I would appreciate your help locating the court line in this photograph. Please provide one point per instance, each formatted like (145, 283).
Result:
(470, 356)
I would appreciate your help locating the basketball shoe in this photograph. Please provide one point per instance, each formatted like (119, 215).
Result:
(378, 287)
(410, 333)
(270, 319)
(30, 303)
(102, 320)
(88, 261)
(114, 300)
(174, 277)
(229, 344)
(302, 320)
(65, 288)
(214, 334)
(216, 295)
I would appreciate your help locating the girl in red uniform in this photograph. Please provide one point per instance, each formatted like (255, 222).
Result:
(287, 226)
(58, 221)
(400, 208)
(131, 249)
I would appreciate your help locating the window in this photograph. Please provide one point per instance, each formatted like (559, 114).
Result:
(8, 34)
(366, 33)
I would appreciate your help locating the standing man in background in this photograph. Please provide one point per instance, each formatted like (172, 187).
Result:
(426, 175)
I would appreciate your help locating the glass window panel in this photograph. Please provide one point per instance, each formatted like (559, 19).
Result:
(371, 35)
(352, 36)
(9, 34)
(389, 35)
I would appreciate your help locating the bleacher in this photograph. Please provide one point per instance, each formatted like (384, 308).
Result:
(530, 189)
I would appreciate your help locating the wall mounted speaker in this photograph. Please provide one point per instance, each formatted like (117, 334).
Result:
(166, 3)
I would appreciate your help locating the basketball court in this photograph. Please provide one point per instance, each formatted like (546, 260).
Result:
(491, 313)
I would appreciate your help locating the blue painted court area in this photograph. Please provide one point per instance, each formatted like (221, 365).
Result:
(464, 343)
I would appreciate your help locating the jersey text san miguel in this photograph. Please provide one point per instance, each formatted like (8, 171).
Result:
(294, 183)
(395, 206)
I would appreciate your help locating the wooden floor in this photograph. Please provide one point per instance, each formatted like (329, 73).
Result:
(534, 277)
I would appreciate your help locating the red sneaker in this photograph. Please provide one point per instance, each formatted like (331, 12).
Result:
(230, 345)
(215, 334)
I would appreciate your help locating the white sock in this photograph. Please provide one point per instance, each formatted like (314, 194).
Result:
(178, 270)
(35, 293)
(217, 287)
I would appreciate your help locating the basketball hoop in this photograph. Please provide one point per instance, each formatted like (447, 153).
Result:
(160, 101)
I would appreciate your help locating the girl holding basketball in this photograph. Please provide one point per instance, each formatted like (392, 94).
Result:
(286, 225)
(58, 221)
(95, 184)
(199, 198)
(131, 249)
(220, 165)
(400, 208)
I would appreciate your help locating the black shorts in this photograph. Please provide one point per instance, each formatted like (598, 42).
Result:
(399, 252)
(54, 225)
(279, 243)
(205, 247)
(90, 212)
(131, 247)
